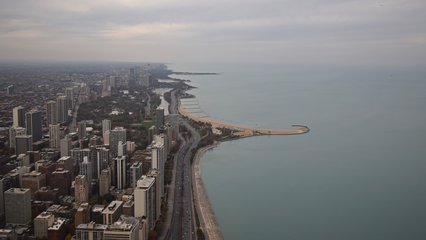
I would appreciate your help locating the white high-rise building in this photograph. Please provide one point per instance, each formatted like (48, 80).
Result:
(158, 156)
(144, 194)
(54, 136)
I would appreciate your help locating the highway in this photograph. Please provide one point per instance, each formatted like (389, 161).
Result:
(182, 224)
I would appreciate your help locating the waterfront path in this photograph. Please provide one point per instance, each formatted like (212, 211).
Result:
(241, 130)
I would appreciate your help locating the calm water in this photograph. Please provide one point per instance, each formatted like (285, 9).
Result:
(359, 174)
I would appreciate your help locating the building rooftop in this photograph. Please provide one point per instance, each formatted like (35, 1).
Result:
(91, 225)
(112, 207)
(123, 224)
(57, 224)
(44, 215)
(145, 182)
(18, 190)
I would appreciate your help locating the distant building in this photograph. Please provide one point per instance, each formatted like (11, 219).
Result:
(116, 135)
(42, 223)
(106, 125)
(159, 118)
(120, 172)
(18, 116)
(90, 231)
(135, 173)
(10, 90)
(17, 202)
(54, 136)
(65, 146)
(61, 179)
(33, 125)
(62, 108)
(81, 130)
(112, 212)
(13, 132)
(33, 181)
(102, 160)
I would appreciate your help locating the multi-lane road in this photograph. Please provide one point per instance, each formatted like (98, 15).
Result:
(182, 223)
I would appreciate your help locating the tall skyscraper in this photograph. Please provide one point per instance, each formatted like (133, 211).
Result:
(54, 136)
(135, 173)
(116, 135)
(120, 172)
(17, 203)
(51, 113)
(18, 116)
(104, 181)
(102, 160)
(33, 125)
(106, 125)
(62, 108)
(81, 189)
(86, 169)
(158, 156)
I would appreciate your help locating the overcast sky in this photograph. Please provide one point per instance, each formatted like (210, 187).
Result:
(285, 31)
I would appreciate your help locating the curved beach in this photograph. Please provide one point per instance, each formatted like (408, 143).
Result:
(206, 215)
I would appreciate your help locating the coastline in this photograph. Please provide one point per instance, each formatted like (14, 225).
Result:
(206, 216)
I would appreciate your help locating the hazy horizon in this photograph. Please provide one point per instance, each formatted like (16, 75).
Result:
(308, 32)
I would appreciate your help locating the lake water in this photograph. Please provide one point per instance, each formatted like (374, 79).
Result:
(359, 174)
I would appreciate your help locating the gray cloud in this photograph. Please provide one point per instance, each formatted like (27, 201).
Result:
(309, 31)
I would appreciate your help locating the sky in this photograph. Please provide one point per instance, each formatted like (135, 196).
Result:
(386, 32)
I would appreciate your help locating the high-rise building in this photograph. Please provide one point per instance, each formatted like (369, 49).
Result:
(58, 229)
(157, 207)
(69, 93)
(159, 118)
(13, 132)
(81, 189)
(23, 143)
(81, 130)
(106, 125)
(158, 157)
(33, 125)
(145, 199)
(61, 179)
(116, 135)
(17, 203)
(112, 212)
(41, 223)
(10, 90)
(105, 137)
(65, 145)
(51, 113)
(83, 214)
(102, 160)
(18, 116)
(66, 163)
(126, 228)
(135, 173)
(62, 108)
(104, 182)
(54, 136)
(120, 172)
(122, 149)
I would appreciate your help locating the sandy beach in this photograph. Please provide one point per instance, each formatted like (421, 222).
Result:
(203, 206)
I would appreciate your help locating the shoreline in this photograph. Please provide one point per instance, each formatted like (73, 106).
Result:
(203, 206)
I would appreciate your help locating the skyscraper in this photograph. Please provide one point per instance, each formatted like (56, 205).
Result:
(159, 118)
(13, 132)
(33, 124)
(54, 136)
(145, 199)
(104, 181)
(120, 172)
(135, 173)
(86, 169)
(23, 143)
(18, 116)
(62, 108)
(51, 113)
(65, 146)
(81, 130)
(17, 203)
(116, 135)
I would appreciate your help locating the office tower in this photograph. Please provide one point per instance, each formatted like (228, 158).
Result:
(61, 179)
(51, 113)
(66, 163)
(62, 109)
(23, 143)
(81, 129)
(112, 212)
(105, 137)
(102, 160)
(82, 215)
(86, 169)
(69, 93)
(54, 136)
(159, 118)
(145, 199)
(120, 172)
(41, 223)
(106, 125)
(81, 189)
(33, 181)
(89, 231)
(126, 228)
(65, 145)
(135, 173)
(104, 182)
(33, 125)
(122, 149)
(116, 135)
(157, 207)
(13, 132)
(17, 204)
